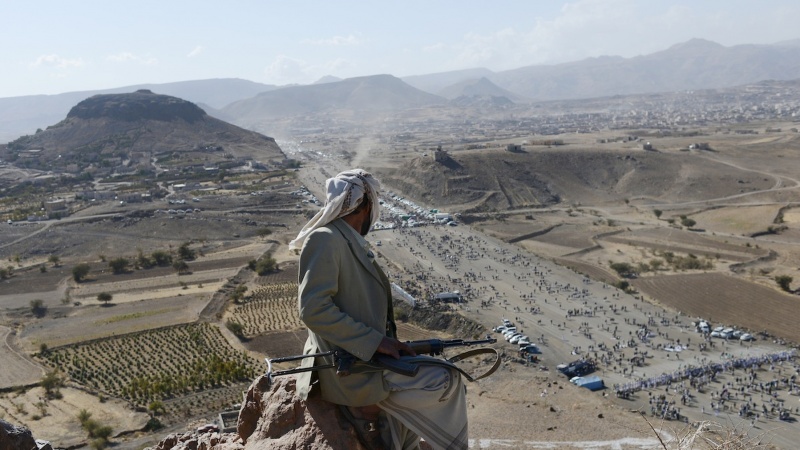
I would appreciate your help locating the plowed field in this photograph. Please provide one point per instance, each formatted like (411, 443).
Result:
(726, 300)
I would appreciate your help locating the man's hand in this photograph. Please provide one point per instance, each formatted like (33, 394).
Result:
(394, 348)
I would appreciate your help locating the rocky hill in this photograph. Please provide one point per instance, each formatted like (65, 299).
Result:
(499, 180)
(128, 132)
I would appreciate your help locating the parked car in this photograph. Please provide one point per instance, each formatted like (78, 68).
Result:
(500, 329)
(511, 330)
(524, 340)
(530, 348)
(577, 368)
(512, 336)
(747, 337)
(516, 339)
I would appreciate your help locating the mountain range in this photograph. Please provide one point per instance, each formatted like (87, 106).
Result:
(695, 64)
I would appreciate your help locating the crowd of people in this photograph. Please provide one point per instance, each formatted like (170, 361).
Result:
(623, 340)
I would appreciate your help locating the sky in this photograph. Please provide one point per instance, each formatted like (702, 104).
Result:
(56, 46)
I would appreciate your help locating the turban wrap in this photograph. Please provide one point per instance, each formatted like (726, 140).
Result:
(345, 192)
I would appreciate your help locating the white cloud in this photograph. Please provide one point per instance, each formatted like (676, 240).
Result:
(335, 41)
(196, 51)
(285, 69)
(56, 61)
(126, 57)
(433, 47)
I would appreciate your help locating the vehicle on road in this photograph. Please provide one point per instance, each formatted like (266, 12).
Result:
(577, 368)
(516, 339)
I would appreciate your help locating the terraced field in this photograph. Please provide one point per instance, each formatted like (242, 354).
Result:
(270, 308)
(157, 364)
(725, 299)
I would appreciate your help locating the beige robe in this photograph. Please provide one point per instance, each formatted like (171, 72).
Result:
(345, 301)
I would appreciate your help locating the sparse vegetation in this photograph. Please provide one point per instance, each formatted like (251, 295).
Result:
(38, 307)
(51, 383)
(785, 282)
(263, 265)
(623, 269)
(104, 297)
(181, 266)
(80, 272)
(185, 252)
(119, 265)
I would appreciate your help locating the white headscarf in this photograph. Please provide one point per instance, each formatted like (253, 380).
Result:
(345, 192)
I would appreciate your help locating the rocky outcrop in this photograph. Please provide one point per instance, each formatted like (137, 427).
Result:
(274, 418)
(14, 437)
(199, 441)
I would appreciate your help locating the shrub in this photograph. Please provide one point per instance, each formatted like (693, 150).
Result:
(235, 328)
(80, 271)
(161, 258)
(104, 297)
(180, 266)
(784, 281)
(38, 308)
(264, 265)
(623, 269)
(119, 265)
(186, 253)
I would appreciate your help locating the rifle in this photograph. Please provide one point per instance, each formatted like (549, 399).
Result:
(346, 364)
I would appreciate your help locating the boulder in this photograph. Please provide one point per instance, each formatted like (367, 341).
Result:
(14, 437)
(275, 418)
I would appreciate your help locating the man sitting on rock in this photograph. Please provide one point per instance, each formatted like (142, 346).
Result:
(345, 301)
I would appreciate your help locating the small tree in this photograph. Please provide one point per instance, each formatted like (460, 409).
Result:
(161, 258)
(688, 223)
(657, 212)
(236, 328)
(155, 408)
(180, 266)
(38, 308)
(54, 260)
(51, 384)
(186, 253)
(623, 269)
(784, 281)
(119, 265)
(80, 271)
(144, 261)
(104, 297)
(264, 265)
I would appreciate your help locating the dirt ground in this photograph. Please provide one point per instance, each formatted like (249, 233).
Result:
(59, 422)
(568, 314)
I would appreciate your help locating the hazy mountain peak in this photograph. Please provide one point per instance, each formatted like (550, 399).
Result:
(327, 79)
(697, 44)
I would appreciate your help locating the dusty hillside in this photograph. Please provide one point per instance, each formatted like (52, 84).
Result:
(489, 180)
(110, 128)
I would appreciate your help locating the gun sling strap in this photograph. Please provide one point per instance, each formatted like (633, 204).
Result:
(371, 366)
